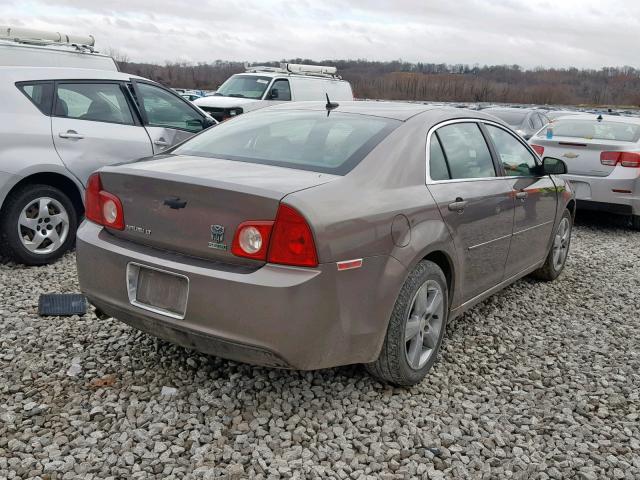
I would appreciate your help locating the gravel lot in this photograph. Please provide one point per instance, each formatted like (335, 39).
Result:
(540, 381)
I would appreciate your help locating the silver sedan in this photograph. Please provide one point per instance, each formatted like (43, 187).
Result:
(602, 153)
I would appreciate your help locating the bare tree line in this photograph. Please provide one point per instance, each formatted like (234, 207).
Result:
(399, 80)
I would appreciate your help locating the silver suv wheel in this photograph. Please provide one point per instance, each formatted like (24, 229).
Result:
(43, 225)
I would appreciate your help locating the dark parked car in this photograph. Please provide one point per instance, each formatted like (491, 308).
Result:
(525, 121)
(309, 236)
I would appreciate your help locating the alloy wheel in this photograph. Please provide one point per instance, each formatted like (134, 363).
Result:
(424, 324)
(43, 225)
(561, 243)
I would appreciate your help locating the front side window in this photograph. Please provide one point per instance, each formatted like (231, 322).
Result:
(281, 90)
(516, 159)
(40, 94)
(244, 86)
(164, 109)
(98, 102)
(466, 151)
(306, 140)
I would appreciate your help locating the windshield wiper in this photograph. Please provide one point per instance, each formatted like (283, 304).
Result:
(238, 95)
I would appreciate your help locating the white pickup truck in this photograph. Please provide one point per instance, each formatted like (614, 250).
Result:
(261, 86)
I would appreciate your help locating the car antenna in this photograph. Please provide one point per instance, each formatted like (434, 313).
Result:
(330, 105)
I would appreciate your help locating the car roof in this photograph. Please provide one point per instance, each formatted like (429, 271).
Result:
(401, 111)
(394, 110)
(61, 73)
(512, 109)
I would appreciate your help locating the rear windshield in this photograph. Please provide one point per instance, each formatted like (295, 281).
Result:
(508, 116)
(594, 130)
(306, 140)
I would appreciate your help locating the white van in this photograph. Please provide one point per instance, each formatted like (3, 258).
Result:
(21, 47)
(261, 86)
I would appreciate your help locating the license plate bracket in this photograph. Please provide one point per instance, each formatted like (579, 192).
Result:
(157, 290)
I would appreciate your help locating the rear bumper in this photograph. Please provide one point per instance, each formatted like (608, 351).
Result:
(275, 316)
(609, 193)
(614, 208)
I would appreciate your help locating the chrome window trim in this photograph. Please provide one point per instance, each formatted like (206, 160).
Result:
(499, 176)
(132, 286)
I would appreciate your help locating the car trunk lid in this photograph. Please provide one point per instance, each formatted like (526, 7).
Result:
(581, 155)
(192, 205)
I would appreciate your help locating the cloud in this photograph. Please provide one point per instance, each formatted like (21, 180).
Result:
(587, 33)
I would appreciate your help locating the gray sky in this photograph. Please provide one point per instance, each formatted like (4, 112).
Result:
(581, 33)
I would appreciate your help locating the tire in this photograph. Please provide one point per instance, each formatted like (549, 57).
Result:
(635, 222)
(553, 266)
(400, 362)
(38, 225)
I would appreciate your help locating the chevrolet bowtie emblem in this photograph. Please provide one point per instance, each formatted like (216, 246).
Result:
(570, 155)
(175, 203)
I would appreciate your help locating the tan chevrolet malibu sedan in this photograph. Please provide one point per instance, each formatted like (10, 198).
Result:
(308, 236)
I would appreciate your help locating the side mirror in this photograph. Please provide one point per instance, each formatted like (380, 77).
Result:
(274, 94)
(553, 166)
(203, 123)
(208, 122)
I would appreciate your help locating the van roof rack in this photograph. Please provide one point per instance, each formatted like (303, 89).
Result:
(29, 36)
(296, 69)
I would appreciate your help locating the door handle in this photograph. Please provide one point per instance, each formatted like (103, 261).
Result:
(458, 205)
(71, 134)
(161, 142)
(521, 195)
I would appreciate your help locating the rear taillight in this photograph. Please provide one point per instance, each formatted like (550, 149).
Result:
(539, 149)
(292, 240)
(102, 207)
(625, 159)
(287, 241)
(251, 240)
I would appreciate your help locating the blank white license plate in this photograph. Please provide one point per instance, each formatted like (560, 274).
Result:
(158, 290)
(582, 189)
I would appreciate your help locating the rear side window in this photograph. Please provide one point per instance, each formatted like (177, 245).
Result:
(306, 140)
(98, 102)
(40, 94)
(438, 169)
(594, 130)
(466, 151)
(536, 121)
(516, 159)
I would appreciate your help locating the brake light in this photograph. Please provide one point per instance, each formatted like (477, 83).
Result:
(102, 207)
(251, 240)
(539, 149)
(625, 159)
(288, 240)
(292, 240)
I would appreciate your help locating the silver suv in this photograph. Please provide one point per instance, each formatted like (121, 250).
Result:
(58, 125)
